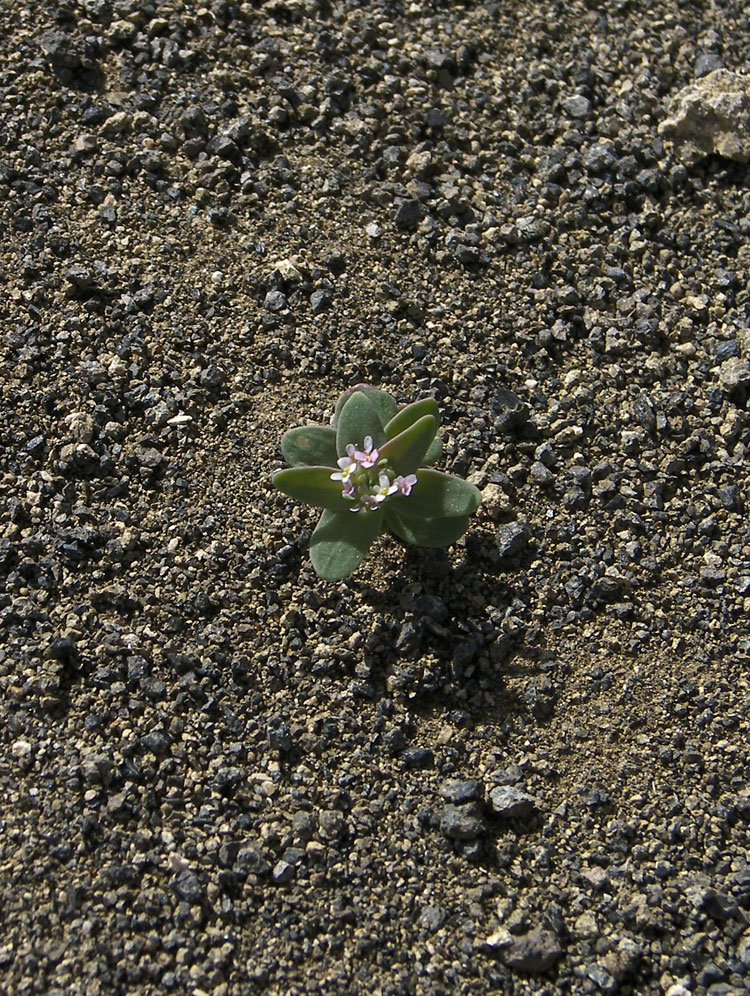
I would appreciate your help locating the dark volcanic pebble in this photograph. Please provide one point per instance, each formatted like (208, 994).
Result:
(461, 823)
(534, 952)
(510, 802)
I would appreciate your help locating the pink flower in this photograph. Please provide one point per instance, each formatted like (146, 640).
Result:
(404, 484)
(369, 456)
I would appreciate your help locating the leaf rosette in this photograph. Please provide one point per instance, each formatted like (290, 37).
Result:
(371, 471)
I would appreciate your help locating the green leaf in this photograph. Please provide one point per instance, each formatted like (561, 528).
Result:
(411, 414)
(405, 451)
(310, 446)
(358, 419)
(383, 403)
(437, 495)
(434, 452)
(313, 486)
(341, 541)
(426, 532)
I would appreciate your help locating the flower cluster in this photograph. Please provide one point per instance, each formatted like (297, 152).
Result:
(367, 479)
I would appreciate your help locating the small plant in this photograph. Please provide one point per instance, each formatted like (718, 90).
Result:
(370, 471)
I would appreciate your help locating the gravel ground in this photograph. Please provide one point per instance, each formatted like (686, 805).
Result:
(515, 766)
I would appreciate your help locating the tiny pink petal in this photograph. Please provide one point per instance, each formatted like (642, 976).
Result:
(405, 484)
(368, 456)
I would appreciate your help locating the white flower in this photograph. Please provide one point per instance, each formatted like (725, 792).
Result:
(384, 488)
(347, 468)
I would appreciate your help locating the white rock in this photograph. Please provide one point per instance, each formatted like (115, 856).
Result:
(117, 124)
(678, 989)
(499, 938)
(734, 373)
(709, 116)
(495, 501)
(177, 863)
(20, 749)
(288, 270)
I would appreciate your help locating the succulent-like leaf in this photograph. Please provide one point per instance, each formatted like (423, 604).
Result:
(411, 414)
(406, 450)
(313, 486)
(434, 452)
(358, 418)
(341, 541)
(426, 532)
(310, 446)
(383, 403)
(437, 495)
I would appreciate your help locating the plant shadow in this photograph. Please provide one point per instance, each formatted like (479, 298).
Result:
(446, 636)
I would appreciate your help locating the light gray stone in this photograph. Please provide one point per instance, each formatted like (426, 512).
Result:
(711, 116)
